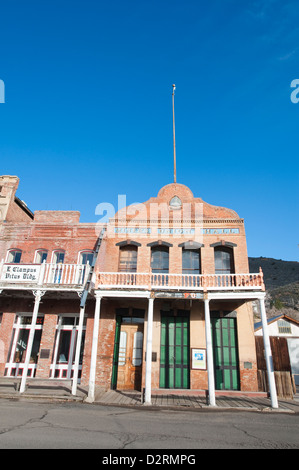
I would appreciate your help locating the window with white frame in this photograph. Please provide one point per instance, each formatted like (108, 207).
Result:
(86, 257)
(63, 361)
(58, 271)
(18, 346)
(41, 256)
(58, 256)
(14, 256)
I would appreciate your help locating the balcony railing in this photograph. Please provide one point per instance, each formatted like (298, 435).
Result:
(200, 282)
(54, 275)
(45, 274)
(67, 274)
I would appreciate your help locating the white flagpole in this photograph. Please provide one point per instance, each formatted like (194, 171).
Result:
(174, 151)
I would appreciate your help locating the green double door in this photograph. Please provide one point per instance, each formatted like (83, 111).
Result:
(175, 350)
(225, 352)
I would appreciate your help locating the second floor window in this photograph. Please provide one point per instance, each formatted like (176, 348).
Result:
(41, 256)
(224, 260)
(86, 257)
(128, 259)
(58, 257)
(160, 259)
(14, 256)
(191, 261)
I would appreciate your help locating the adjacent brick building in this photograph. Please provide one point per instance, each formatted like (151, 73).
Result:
(168, 301)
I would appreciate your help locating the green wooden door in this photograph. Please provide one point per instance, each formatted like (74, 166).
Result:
(174, 357)
(225, 353)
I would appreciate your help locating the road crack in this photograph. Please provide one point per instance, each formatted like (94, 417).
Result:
(26, 423)
(265, 443)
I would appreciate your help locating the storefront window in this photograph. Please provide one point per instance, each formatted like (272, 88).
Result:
(18, 346)
(21, 346)
(65, 347)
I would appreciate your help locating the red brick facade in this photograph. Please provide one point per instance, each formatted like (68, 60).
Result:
(190, 222)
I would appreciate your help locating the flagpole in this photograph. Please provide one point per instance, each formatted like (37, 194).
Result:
(174, 151)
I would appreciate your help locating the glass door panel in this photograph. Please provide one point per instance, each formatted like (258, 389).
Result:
(129, 368)
(64, 347)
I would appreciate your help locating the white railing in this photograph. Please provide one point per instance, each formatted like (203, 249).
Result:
(45, 274)
(65, 274)
(201, 282)
(55, 275)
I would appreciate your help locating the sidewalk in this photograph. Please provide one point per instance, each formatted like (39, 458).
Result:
(196, 402)
(160, 400)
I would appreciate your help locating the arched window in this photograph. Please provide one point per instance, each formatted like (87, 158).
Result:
(224, 260)
(41, 256)
(160, 259)
(14, 256)
(85, 257)
(58, 256)
(128, 259)
(191, 262)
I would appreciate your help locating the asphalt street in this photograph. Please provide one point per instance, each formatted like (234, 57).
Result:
(27, 424)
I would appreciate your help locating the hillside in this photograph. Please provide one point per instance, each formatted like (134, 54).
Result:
(282, 285)
(277, 273)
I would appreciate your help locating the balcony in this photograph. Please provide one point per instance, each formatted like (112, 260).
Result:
(46, 275)
(74, 276)
(180, 282)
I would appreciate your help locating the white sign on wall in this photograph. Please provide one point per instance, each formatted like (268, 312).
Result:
(20, 273)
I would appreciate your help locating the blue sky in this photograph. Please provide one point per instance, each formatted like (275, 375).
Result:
(88, 111)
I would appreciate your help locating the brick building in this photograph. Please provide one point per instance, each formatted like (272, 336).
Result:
(158, 298)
